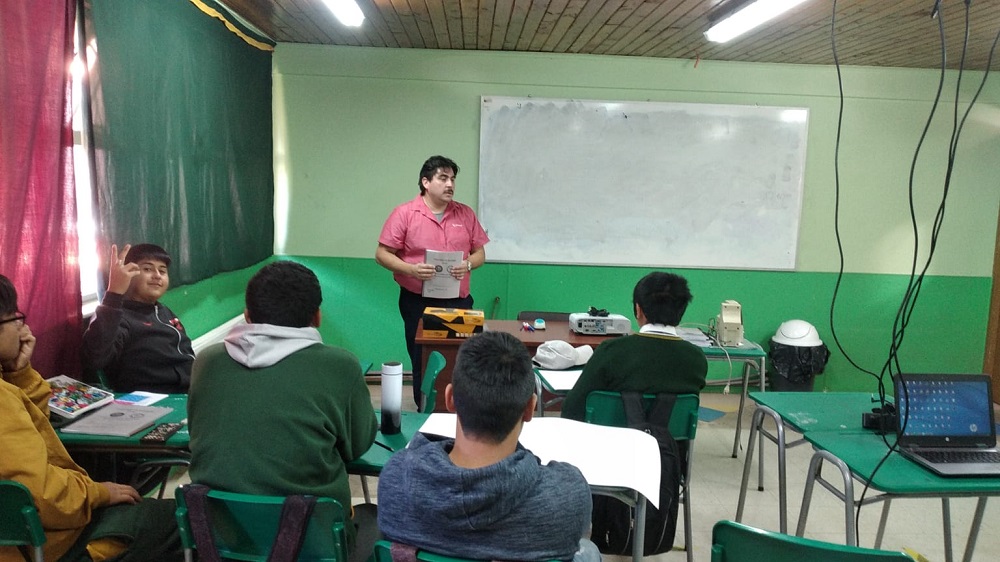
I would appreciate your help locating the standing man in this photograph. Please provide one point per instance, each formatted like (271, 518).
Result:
(431, 221)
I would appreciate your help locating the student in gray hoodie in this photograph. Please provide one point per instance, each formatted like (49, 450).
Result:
(273, 411)
(482, 495)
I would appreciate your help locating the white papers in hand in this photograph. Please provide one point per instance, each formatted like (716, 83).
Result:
(442, 285)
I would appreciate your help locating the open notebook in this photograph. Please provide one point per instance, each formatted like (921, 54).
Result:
(946, 423)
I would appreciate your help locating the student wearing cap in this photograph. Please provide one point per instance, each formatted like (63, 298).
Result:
(139, 343)
(431, 221)
(654, 360)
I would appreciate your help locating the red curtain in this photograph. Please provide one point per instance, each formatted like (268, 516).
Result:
(38, 236)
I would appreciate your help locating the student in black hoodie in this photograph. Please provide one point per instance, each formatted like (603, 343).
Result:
(137, 341)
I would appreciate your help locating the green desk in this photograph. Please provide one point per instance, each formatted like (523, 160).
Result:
(856, 454)
(370, 464)
(109, 444)
(754, 358)
(801, 412)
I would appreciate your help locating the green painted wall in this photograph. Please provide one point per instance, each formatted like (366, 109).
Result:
(359, 308)
(353, 125)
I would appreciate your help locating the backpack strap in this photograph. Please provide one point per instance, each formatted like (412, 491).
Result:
(659, 412)
(403, 552)
(194, 496)
(292, 527)
(662, 408)
(635, 412)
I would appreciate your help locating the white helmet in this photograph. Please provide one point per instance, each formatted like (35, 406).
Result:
(797, 333)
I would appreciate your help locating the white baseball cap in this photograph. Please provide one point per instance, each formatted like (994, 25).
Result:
(557, 354)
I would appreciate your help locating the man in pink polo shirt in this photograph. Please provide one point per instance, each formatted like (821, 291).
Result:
(431, 221)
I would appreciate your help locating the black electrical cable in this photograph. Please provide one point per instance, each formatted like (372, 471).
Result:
(906, 309)
(836, 201)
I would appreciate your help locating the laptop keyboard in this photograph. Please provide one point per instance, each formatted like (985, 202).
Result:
(989, 457)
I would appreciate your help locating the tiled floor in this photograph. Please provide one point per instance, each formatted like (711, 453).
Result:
(913, 523)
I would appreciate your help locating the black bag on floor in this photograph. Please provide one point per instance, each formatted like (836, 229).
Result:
(614, 521)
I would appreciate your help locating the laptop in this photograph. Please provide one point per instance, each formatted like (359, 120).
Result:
(946, 423)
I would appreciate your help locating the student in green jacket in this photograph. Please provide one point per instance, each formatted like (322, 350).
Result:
(274, 411)
(654, 360)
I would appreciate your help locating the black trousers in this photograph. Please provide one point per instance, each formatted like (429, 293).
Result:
(411, 309)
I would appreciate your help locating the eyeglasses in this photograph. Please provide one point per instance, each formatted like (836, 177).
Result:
(20, 317)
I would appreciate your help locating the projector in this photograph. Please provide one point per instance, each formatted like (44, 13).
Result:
(610, 325)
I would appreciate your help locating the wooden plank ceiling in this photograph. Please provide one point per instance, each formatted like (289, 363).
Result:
(898, 33)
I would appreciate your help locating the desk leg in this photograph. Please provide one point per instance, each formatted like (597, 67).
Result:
(814, 474)
(882, 520)
(639, 544)
(739, 413)
(760, 365)
(758, 418)
(977, 521)
(946, 520)
(757, 433)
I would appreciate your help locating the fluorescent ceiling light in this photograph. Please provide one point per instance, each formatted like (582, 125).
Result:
(748, 17)
(347, 11)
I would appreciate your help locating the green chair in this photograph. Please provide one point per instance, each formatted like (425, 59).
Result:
(736, 542)
(606, 408)
(19, 521)
(435, 364)
(244, 526)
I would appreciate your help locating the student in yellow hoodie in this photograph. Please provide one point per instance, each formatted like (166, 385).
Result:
(83, 520)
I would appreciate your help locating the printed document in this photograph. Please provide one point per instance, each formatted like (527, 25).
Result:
(442, 285)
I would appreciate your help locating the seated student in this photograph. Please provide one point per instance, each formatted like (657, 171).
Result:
(482, 495)
(76, 512)
(654, 360)
(138, 342)
(273, 411)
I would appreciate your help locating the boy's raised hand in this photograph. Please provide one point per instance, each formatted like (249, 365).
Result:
(120, 274)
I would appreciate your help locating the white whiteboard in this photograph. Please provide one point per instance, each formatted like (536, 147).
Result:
(641, 183)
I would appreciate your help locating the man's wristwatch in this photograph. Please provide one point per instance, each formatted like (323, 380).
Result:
(469, 263)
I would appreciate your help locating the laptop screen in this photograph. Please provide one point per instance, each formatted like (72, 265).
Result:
(945, 410)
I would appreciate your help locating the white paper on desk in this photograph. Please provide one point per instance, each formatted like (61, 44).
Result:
(559, 381)
(442, 285)
(695, 336)
(615, 457)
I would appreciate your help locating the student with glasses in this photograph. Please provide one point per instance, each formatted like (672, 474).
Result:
(83, 520)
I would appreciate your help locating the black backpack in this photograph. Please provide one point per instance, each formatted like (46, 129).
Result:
(613, 520)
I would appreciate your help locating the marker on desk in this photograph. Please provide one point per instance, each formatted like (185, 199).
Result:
(525, 327)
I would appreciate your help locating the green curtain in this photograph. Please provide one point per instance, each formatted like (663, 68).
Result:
(182, 136)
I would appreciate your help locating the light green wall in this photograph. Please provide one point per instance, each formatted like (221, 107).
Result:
(353, 125)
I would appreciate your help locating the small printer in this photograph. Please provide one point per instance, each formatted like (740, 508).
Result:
(603, 325)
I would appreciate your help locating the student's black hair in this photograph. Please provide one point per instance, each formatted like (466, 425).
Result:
(8, 297)
(663, 297)
(283, 293)
(430, 168)
(492, 383)
(140, 252)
